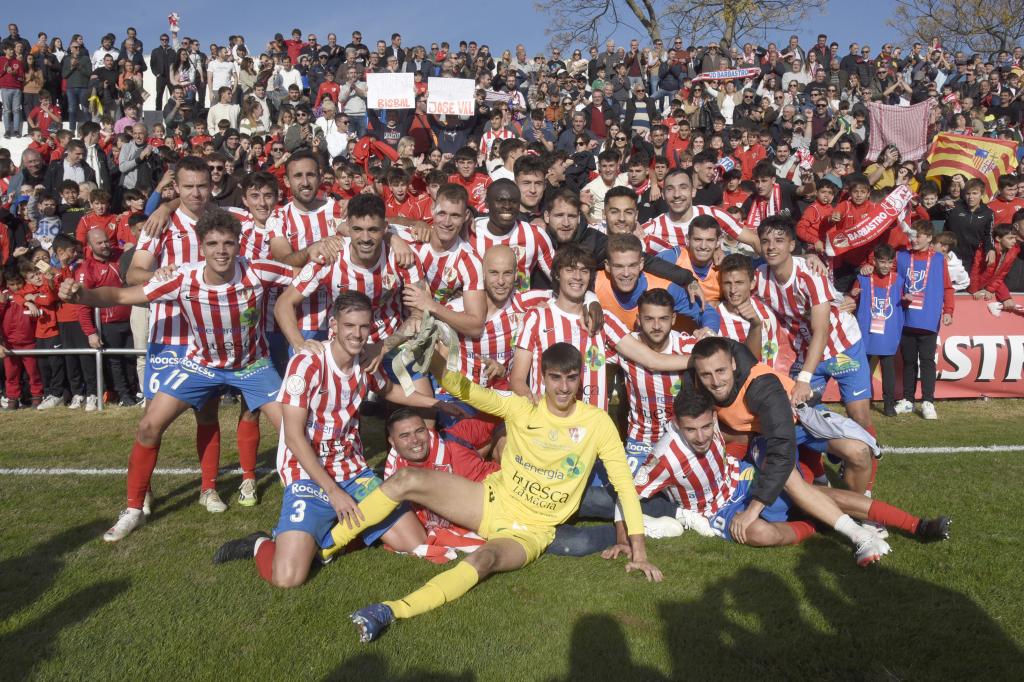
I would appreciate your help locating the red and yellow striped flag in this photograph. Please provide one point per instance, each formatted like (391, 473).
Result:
(984, 158)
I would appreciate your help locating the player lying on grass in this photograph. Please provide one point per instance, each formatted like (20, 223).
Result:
(320, 454)
(222, 300)
(552, 447)
(690, 463)
(752, 400)
(414, 444)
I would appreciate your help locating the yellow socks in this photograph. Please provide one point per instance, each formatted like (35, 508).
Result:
(375, 508)
(442, 588)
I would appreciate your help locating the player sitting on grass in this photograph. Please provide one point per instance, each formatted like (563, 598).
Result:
(551, 449)
(222, 300)
(690, 463)
(320, 454)
(752, 399)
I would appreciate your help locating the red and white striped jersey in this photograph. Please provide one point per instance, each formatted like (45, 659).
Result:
(530, 243)
(700, 483)
(543, 327)
(792, 302)
(650, 393)
(663, 229)
(382, 284)
(450, 273)
(498, 340)
(491, 137)
(225, 319)
(254, 244)
(177, 245)
(302, 228)
(736, 328)
(331, 397)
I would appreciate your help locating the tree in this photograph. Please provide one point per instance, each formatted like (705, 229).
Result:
(978, 25)
(588, 21)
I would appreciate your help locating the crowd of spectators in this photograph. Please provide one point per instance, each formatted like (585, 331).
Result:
(102, 148)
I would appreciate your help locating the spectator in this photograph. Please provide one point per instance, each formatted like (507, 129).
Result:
(12, 80)
(100, 269)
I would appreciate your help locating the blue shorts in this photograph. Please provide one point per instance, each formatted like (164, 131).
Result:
(776, 512)
(637, 452)
(194, 384)
(850, 369)
(389, 370)
(161, 358)
(305, 507)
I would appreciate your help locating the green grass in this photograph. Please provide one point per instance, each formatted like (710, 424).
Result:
(153, 607)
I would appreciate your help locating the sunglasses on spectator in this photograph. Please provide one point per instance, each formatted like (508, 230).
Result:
(277, 149)
(215, 168)
(620, 138)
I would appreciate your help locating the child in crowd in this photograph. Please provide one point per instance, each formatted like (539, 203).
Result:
(99, 215)
(43, 216)
(928, 295)
(39, 291)
(135, 205)
(988, 281)
(18, 333)
(69, 253)
(944, 243)
(879, 298)
(815, 219)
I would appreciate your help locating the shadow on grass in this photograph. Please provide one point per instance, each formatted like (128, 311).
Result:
(36, 641)
(23, 579)
(877, 623)
(374, 667)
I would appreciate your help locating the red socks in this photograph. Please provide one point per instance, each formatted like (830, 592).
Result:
(813, 460)
(802, 530)
(140, 469)
(248, 444)
(265, 558)
(874, 473)
(892, 517)
(208, 449)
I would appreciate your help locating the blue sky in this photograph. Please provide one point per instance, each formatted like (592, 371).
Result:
(487, 21)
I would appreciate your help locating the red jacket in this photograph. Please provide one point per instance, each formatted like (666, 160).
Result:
(1004, 210)
(12, 74)
(93, 273)
(814, 223)
(749, 157)
(45, 326)
(992, 277)
(66, 312)
(19, 329)
(476, 186)
(90, 221)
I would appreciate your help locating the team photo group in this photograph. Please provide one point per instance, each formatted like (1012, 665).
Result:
(585, 299)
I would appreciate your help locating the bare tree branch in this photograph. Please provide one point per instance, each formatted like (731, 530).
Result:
(589, 21)
(976, 25)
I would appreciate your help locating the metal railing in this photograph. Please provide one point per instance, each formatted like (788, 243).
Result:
(97, 352)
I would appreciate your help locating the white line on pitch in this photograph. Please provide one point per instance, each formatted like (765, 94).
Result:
(189, 471)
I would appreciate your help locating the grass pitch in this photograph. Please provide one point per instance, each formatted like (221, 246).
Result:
(154, 607)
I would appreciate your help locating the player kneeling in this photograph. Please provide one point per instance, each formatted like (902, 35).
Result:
(320, 455)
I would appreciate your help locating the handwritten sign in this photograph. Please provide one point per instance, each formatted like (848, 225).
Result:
(390, 91)
(451, 96)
